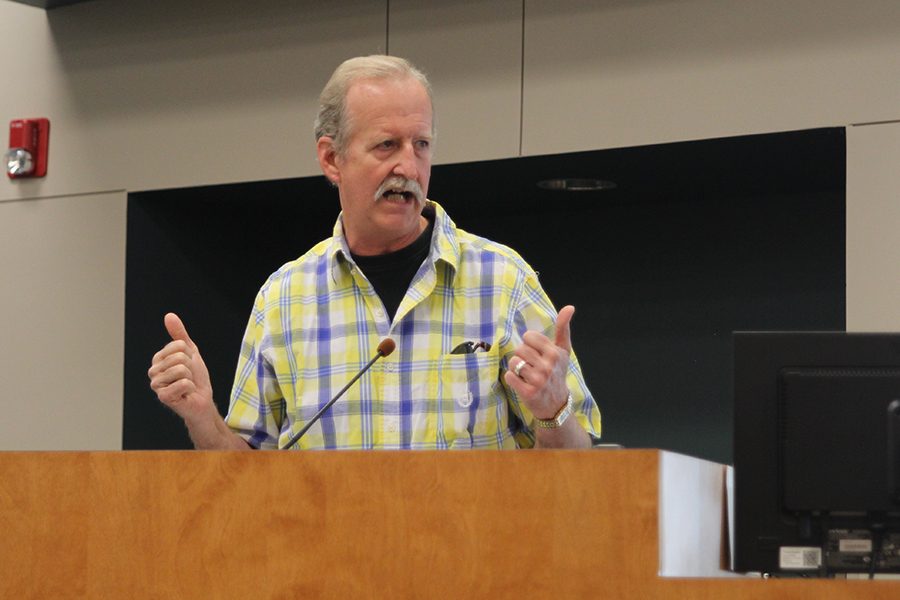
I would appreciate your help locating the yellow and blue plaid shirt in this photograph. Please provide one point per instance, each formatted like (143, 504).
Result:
(317, 321)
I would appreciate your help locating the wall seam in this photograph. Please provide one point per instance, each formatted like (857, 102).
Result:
(387, 27)
(522, 85)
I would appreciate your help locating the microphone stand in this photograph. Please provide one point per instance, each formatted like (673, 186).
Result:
(384, 348)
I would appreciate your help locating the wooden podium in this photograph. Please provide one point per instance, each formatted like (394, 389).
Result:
(475, 524)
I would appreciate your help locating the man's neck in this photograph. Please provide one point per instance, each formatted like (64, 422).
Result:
(360, 247)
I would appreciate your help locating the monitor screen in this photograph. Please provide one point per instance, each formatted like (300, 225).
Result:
(817, 427)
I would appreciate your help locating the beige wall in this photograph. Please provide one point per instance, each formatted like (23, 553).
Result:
(62, 262)
(631, 72)
(472, 52)
(151, 94)
(160, 93)
(873, 228)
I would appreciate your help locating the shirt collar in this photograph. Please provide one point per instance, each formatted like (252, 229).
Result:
(444, 241)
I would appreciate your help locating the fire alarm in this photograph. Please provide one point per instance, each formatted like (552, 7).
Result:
(27, 154)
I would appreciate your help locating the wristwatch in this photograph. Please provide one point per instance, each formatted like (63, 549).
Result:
(559, 419)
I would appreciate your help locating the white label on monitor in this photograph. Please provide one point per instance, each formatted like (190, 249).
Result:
(860, 545)
(799, 557)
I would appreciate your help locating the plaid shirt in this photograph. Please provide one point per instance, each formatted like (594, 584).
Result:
(317, 321)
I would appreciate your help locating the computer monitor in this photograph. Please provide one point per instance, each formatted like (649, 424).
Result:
(816, 452)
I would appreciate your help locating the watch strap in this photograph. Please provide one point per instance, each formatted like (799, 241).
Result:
(558, 420)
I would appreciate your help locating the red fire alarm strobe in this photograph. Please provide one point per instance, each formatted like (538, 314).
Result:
(27, 154)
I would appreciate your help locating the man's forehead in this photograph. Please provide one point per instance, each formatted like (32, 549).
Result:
(374, 99)
(366, 93)
(369, 86)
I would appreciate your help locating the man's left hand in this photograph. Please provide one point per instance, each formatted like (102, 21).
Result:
(541, 381)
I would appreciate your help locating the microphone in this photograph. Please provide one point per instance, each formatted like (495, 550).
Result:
(386, 346)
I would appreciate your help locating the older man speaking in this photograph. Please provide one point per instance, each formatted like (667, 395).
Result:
(482, 358)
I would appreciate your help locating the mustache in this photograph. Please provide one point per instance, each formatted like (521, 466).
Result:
(403, 185)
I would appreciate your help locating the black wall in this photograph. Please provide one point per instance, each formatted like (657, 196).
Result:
(698, 239)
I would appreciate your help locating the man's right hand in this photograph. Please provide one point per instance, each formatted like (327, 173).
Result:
(180, 379)
(179, 376)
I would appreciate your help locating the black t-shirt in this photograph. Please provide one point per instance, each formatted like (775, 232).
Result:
(390, 274)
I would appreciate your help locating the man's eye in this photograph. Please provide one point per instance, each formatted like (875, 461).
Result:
(423, 144)
(386, 144)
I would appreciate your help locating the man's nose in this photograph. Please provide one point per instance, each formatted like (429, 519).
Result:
(406, 163)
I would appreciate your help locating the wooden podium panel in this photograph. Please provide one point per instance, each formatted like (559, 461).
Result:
(474, 524)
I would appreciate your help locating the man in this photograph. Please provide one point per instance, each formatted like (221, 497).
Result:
(474, 365)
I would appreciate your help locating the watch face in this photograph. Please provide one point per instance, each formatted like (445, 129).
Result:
(18, 162)
(559, 419)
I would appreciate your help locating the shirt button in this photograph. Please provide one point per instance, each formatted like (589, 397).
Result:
(392, 427)
(379, 313)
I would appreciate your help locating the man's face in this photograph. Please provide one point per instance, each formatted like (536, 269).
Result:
(390, 137)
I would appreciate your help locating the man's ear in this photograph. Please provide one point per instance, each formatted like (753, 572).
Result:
(328, 159)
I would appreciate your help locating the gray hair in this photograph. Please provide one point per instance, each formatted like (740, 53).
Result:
(332, 118)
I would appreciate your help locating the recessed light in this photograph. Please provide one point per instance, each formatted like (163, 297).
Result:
(570, 184)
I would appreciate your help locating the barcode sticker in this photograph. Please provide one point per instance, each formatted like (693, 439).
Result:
(799, 557)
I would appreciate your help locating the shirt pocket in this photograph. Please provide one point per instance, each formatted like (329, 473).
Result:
(471, 403)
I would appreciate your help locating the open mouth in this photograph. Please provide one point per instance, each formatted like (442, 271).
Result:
(398, 196)
(399, 190)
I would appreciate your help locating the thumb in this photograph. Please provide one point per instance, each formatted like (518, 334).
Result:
(563, 332)
(177, 329)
